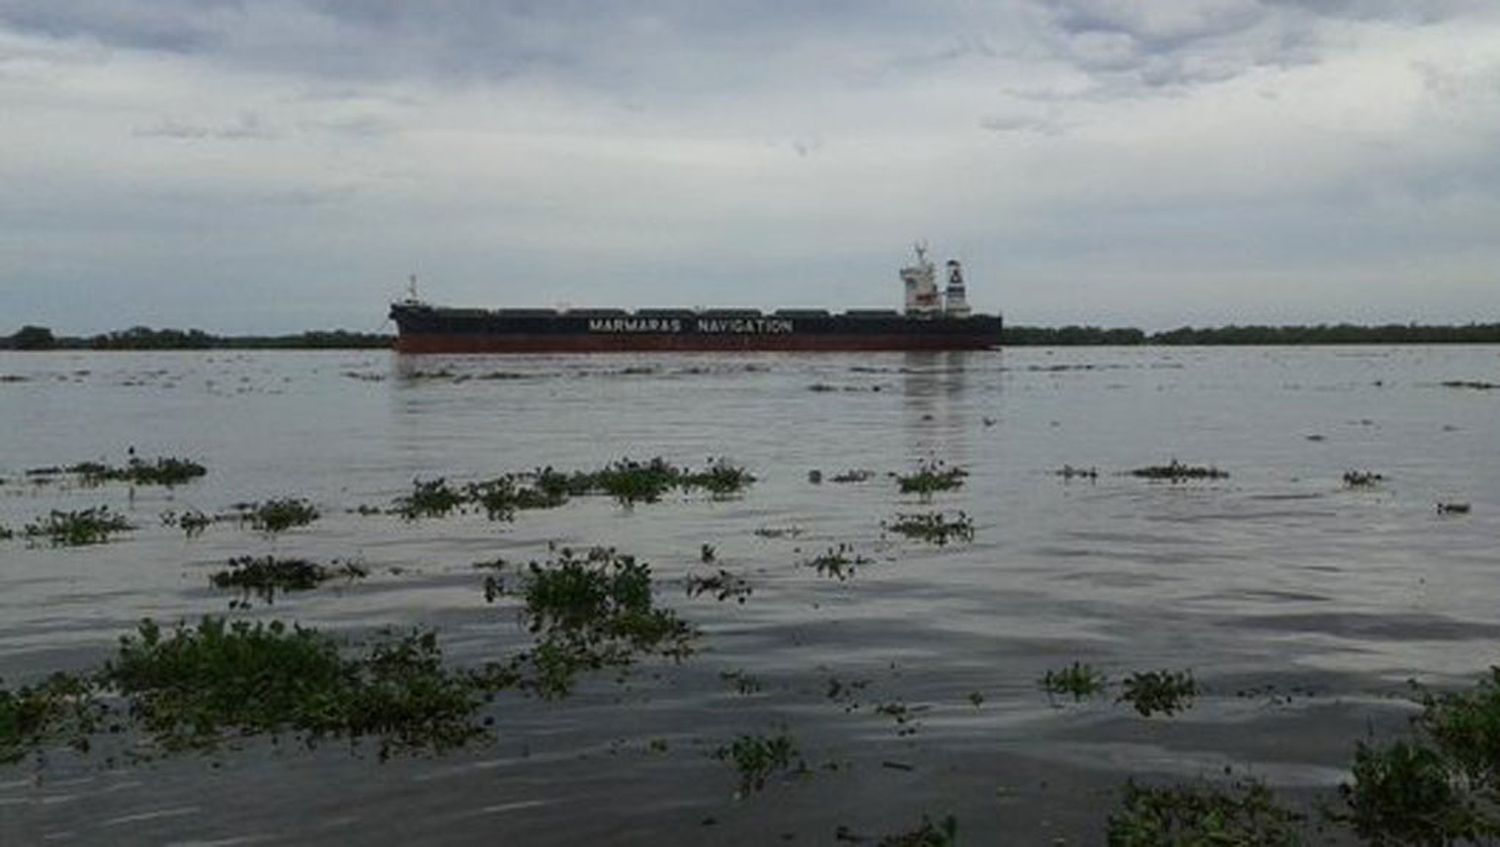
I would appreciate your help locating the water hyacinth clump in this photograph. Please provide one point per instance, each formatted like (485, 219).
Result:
(1245, 814)
(933, 527)
(757, 757)
(1078, 681)
(78, 528)
(931, 477)
(168, 471)
(62, 708)
(196, 687)
(837, 562)
(432, 498)
(266, 575)
(722, 585)
(277, 515)
(590, 611)
(1175, 471)
(1165, 692)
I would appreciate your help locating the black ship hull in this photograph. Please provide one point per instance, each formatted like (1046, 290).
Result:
(428, 329)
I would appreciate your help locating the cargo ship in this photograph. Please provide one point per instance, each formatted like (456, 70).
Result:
(933, 320)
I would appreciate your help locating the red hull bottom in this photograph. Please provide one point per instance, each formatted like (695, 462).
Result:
(514, 343)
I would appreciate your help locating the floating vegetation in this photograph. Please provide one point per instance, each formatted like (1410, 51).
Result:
(168, 471)
(838, 562)
(1165, 692)
(846, 691)
(632, 482)
(1068, 472)
(929, 834)
(277, 515)
(1175, 471)
(1246, 814)
(591, 611)
(197, 686)
(722, 585)
(932, 477)
(1078, 681)
(6, 533)
(64, 707)
(266, 575)
(778, 531)
(78, 528)
(743, 682)
(1452, 507)
(756, 757)
(501, 498)
(1362, 479)
(431, 498)
(854, 475)
(932, 527)
(901, 713)
(192, 522)
(707, 553)
(1469, 383)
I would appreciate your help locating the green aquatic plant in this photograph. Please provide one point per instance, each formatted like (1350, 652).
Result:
(932, 527)
(838, 562)
(1175, 471)
(78, 528)
(6, 533)
(266, 575)
(590, 611)
(278, 515)
(721, 478)
(1243, 815)
(63, 707)
(502, 497)
(168, 471)
(191, 521)
(1164, 692)
(196, 687)
(757, 757)
(722, 585)
(931, 477)
(631, 482)
(429, 498)
(928, 834)
(1362, 479)
(1407, 793)
(1078, 681)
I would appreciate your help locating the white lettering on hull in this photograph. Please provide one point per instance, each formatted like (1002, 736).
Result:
(704, 326)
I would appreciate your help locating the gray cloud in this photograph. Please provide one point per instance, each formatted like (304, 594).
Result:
(747, 152)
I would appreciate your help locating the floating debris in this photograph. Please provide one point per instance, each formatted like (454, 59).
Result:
(932, 527)
(1362, 479)
(929, 834)
(778, 531)
(78, 528)
(1176, 471)
(815, 476)
(1453, 507)
(1473, 384)
(743, 682)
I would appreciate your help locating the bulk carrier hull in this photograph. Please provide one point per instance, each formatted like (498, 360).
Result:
(429, 329)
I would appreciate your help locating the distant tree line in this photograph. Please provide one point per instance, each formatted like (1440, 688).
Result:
(146, 338)
(1474, 333)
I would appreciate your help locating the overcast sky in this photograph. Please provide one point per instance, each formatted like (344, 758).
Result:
(279, 165)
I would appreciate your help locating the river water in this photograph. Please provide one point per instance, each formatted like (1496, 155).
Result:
(1301, 605)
